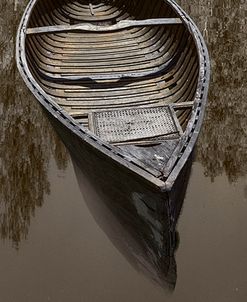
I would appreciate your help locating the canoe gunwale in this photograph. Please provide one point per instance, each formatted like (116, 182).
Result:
(162, 182)
(192, 131)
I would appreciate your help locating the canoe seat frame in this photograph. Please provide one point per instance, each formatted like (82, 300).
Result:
(133, 124)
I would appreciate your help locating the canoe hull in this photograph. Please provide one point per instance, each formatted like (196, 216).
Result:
(88, 143)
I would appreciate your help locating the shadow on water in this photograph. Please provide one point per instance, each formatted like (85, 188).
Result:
(223, 140)
(140, 223)
(27, 141)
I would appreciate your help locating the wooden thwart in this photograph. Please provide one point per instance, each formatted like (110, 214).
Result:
(97, 28)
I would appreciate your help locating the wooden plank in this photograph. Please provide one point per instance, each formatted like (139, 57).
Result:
(183, 105)
(156, 155)
(97, 28)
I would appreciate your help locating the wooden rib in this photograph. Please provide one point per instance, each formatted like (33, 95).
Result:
(65, 54)
(118, 90)
(84, 92)
(88, 95)
(150, 63)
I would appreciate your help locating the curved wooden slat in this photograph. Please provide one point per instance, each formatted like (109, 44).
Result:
(132, 51)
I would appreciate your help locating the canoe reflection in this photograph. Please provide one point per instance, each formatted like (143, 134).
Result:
(139, 222)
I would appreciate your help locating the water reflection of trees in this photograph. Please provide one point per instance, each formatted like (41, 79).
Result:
(27, 141)
(223, 141)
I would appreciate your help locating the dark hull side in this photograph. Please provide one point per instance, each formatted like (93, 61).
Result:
(113, 181)
(139, 220)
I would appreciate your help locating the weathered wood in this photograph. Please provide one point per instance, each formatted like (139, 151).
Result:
(133, 124)
(183, 105)
(155, 155)
(91, 9)
(120, 56)
(97, 28)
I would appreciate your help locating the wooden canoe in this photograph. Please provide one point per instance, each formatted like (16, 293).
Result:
(127, 80)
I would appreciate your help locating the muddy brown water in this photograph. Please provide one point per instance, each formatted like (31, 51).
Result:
(51, 246)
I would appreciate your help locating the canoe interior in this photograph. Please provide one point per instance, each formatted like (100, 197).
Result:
(135, 67)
